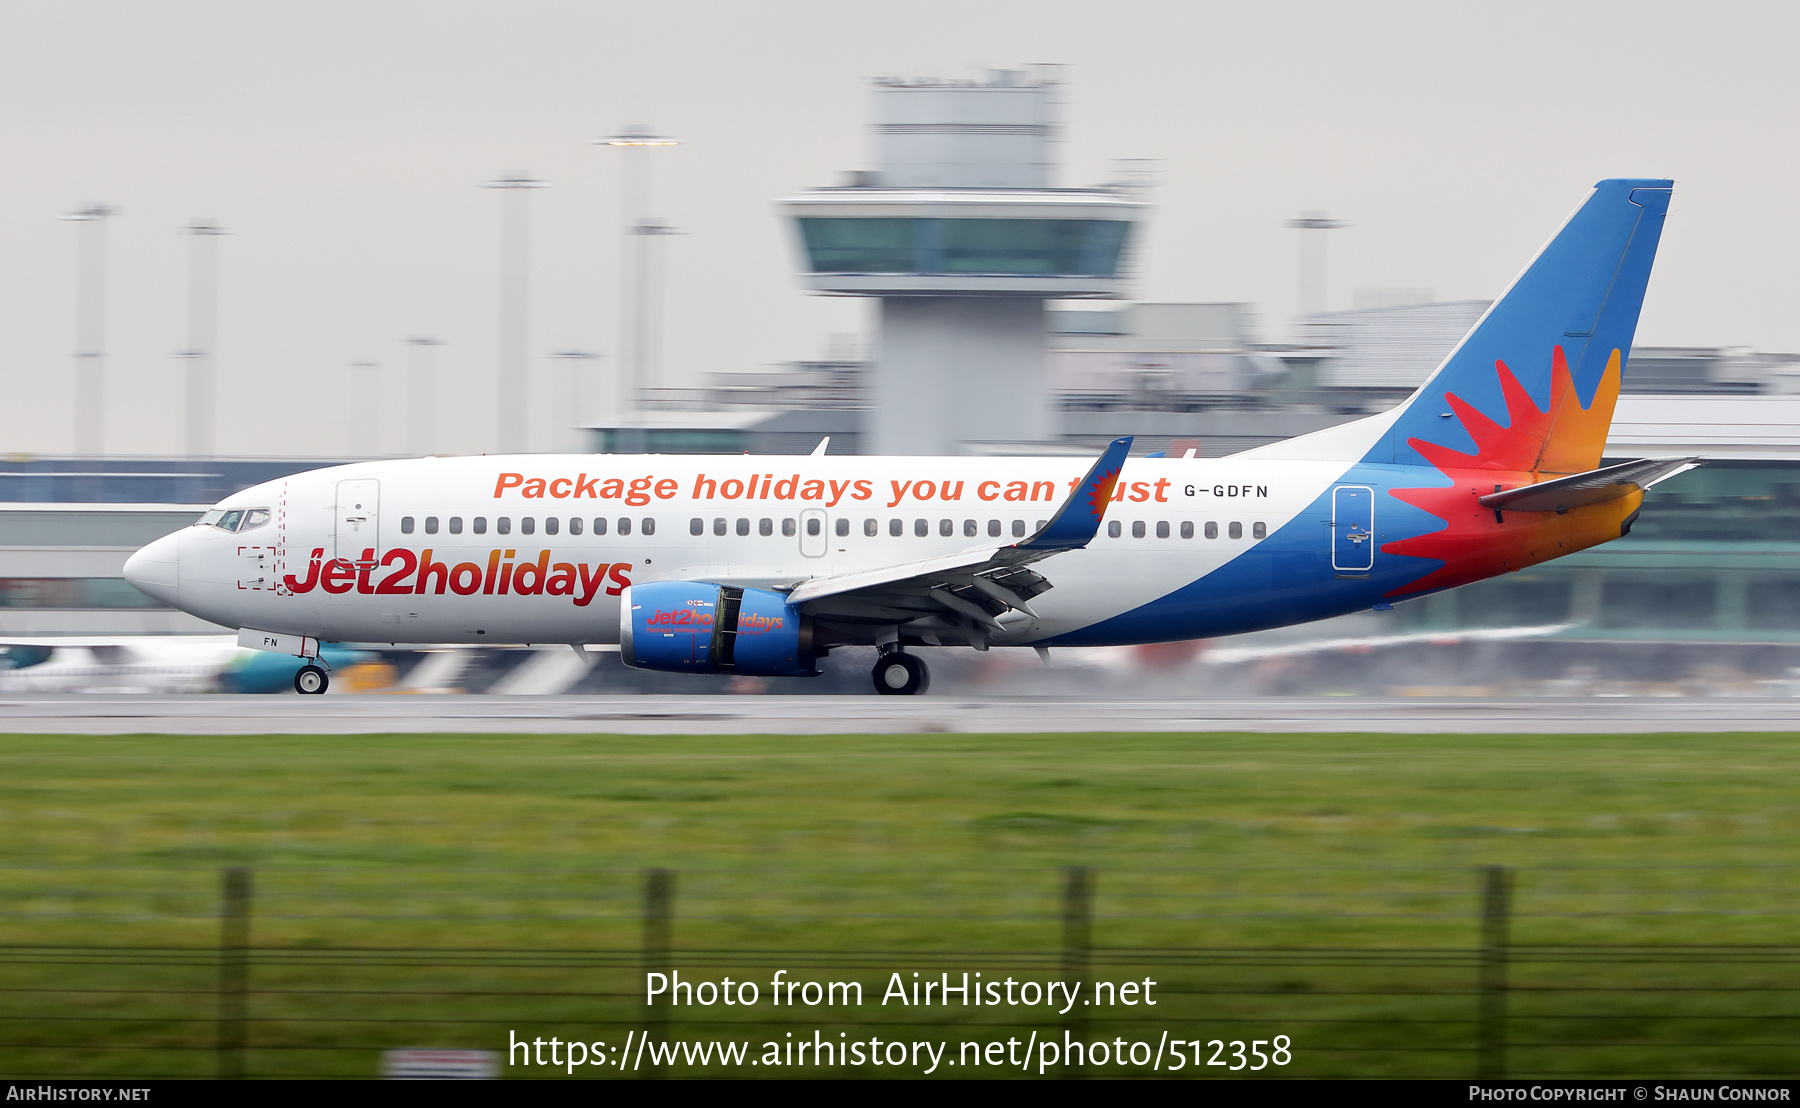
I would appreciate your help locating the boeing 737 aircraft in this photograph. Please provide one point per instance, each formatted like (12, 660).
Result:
(761, 565)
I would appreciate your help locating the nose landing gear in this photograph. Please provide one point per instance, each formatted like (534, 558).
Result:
(310, 680)
(897, 674)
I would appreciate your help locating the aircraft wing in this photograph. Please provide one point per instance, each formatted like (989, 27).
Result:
(975, 586)
(1594, 487)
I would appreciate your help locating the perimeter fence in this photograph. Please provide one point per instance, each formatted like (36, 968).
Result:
(1646, 971)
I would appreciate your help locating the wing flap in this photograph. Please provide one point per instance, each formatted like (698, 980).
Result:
(838, 583)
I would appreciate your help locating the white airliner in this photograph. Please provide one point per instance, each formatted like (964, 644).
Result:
(760, 565)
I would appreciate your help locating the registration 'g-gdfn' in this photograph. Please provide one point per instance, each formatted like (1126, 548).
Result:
(760, 565)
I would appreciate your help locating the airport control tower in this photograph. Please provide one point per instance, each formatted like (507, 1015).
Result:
(962, 235)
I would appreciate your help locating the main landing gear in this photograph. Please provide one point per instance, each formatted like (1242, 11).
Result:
(311, 681)
(897, 674)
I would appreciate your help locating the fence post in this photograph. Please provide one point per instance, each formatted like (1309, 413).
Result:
(1496, 909)
(659, 912)
(1078, 924)
(234, 973)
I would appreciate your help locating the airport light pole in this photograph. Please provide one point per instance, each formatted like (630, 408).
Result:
(203, 276)
(421, 387)
(637, 230)
(515, 247)
(90, 327)
(1313, 227)
(365, 391)
(576, 361)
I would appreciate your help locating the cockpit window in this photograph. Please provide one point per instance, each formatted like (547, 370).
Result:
(236, 519)
(210, 518)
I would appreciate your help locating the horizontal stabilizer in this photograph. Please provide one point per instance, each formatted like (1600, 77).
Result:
(1594, 487)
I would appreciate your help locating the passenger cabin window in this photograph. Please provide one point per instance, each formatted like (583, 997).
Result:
(812, 527)
(1187, 528)
(743, 527)
(1113, 529)
(993, 528)
(1162, 528)
(456, 525)
(765, 527)
(1137, 528)
(551, 525)
(647, 526)
(896, 527)
(1237, 530)
(871, 527)
(527, 525)
(478, 525)
(921, 527)
(406, 525)
(503, 525)
(843, 527)
(790, 527)
(624, 525)
(1212, 530)
(599, 525)
(1259, 531)
(696, 526)
(1018, 528)
(431, 525)
(946, 527)
(719, 526)
(574, 525)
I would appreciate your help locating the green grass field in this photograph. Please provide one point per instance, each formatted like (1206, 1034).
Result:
(1322, 884)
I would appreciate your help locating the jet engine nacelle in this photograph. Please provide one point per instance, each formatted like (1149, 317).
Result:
(694, 627)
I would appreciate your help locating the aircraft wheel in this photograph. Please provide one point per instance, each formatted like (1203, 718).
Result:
(900, 675)
(311, 681)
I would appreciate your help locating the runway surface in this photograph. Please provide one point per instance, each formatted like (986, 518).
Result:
(831, 715)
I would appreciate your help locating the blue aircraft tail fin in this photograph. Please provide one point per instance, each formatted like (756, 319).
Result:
(1558, 337)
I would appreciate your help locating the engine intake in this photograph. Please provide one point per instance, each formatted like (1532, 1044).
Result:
(695, 627)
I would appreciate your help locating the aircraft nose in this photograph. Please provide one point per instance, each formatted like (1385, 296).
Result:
(153, 570)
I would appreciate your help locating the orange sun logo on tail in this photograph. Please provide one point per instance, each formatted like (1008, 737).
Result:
(1535, 443)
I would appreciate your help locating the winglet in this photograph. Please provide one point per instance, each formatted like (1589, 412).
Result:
(1078, 520)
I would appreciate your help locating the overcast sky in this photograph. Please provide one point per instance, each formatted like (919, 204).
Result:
(342, 144)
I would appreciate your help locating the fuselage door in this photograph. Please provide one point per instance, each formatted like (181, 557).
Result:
(1353, 529)
(813, 537)
(358, 504)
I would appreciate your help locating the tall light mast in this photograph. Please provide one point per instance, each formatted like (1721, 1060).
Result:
(202, 383)
(1313, 227)
(90, 327)
(577, 362)
(421, 387)
(515, 368)
(365, 427)
(637, 336)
